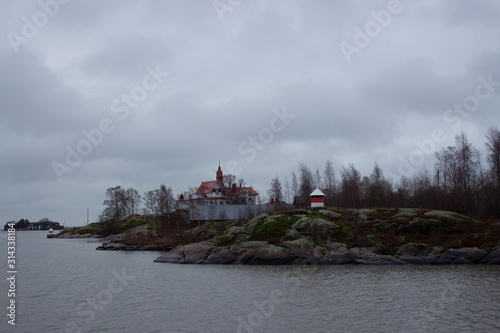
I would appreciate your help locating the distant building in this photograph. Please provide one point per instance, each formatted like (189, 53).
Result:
(201, 214)
(275, 202)
(302, 201)
(317, 198)
(214, 192)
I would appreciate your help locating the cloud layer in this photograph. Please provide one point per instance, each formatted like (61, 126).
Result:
(68, 67)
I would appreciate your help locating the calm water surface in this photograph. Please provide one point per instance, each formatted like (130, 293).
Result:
(65, 285)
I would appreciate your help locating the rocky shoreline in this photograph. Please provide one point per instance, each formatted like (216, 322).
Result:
(69, 235)
(355, 236)
(259, 253)
(112, 243)
(384, 236)
(123, 247)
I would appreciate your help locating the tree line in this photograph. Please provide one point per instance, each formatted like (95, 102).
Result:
(42, 224)
(121, 202)
(460, 182)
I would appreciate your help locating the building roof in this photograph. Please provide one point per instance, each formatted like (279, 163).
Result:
(217, 185)
(206, 187)
(239, 190)
(317, 192)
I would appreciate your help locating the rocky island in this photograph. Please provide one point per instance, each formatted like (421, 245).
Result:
(135, 233)
(350, 236)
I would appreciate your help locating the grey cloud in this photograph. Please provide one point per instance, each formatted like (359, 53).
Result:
(226, 77)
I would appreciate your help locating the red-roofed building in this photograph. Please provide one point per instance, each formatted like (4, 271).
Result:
(275, 202)
(214, 192)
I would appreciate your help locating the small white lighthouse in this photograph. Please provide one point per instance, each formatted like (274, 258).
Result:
(317, 198)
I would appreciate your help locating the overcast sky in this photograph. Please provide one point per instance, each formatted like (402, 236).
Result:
(96, 94)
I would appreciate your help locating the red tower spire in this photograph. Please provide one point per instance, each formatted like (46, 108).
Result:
(219, 175)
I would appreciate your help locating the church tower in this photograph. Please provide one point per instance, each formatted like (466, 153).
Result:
(219, 175)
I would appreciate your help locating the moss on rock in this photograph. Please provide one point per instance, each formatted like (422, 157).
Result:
(271, 228)
(223, 240)
(300, 244)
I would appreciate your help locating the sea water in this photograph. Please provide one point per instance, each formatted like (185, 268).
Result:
(65, 285)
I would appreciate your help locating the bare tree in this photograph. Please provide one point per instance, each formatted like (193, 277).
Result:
(191, 193)
(295, 185)
(151, 202)
(306, 181)
(457, 172)
(379, 189)
(403, 192)
(493, 154)
(160, 201)
(445, 166)
(286, 191)
(275, 192)
(492, 192)
(166, 199)
(329, 184)
(468, 162)
(229, 180)
(423, 194)
(133, 201)
(116, 204)
(351, 186)
(364, 192)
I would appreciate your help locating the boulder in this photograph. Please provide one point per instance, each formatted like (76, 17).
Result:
(319, 252)
(332, 246)
(269, 255)
(304, 258)
(416, 257)
(405, 213)
(384, 225)
(330, 214)
(469, 255)
(155, 248)
(367, 256)
(465, 255)
(411, 249)
(115, 238)
(301, 244)
(113, 247)
(253, 244)
(217, 257)
(175, 255)
(492, 258)
(446, 216)
(292, 234)
(360, 216)
(360, 255)
(313, 226)
(198, 252)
